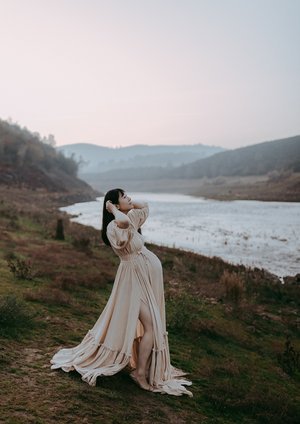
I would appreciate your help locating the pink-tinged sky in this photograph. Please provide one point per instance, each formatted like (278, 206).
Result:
(116, 73)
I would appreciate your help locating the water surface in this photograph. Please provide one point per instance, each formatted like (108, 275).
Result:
(254, 233)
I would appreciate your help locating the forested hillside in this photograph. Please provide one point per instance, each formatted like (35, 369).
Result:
(27, 160)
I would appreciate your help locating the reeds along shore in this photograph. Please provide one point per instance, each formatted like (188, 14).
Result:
(235, 329)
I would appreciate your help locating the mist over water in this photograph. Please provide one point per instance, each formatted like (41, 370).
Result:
(253, 233)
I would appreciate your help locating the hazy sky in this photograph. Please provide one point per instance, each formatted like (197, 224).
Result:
(218, 72)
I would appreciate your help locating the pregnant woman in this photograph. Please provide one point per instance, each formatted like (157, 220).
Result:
(131, 331)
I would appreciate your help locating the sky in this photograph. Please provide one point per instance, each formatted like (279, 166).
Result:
(123, 72)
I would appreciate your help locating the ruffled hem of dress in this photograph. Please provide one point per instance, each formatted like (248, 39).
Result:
(74, 359)
(107, 362)
(160, 366)
(174, 387)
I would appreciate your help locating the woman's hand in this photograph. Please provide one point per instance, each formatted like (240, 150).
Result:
(121, 219)
(110, 207)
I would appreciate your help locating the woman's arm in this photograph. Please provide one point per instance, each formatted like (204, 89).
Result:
(139, 205)
(139, 213)
(121, 218)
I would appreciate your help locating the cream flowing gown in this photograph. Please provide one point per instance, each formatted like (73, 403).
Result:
(112, 343)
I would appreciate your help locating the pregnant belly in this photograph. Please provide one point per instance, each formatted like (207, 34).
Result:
(153, 259)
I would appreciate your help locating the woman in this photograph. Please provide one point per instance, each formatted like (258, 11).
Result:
(132, 328)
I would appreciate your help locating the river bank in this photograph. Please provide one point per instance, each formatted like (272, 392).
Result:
(270, 188)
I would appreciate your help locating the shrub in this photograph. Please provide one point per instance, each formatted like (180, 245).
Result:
(15, 317)
(289, 360)
(234, 287)
(20, 268)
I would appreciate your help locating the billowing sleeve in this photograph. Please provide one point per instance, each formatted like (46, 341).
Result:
(138, 216)
(119, 237)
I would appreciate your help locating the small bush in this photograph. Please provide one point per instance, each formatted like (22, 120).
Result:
(20, 268)
(15, 317)
(289, 360)
(234, 287)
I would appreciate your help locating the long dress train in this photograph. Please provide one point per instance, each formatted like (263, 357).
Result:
(112, 343)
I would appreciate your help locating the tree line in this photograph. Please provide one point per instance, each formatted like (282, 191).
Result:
(22, 148)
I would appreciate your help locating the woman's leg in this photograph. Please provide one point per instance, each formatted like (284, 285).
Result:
(145, 346)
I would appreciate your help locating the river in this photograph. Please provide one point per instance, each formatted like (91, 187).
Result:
(254, 233)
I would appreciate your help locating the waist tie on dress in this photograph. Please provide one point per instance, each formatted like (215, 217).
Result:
(133, 256)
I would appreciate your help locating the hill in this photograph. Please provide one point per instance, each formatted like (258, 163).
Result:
(26, 160)
(258, 159)
(98, 159)
(264, 171)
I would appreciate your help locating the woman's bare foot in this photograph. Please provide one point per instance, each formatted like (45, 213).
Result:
(141, 381)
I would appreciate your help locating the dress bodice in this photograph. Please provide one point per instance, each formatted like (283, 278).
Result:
(127, 242)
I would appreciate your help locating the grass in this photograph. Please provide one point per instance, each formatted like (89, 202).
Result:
(228, 327)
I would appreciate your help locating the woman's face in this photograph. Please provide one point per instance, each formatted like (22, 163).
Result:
(125, 203)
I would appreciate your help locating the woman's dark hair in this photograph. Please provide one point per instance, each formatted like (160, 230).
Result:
(107, 217)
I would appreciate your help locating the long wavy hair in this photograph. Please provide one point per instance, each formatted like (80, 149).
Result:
(107, 217)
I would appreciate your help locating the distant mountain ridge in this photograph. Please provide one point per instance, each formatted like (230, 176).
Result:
(257, 159)
(98, 159)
